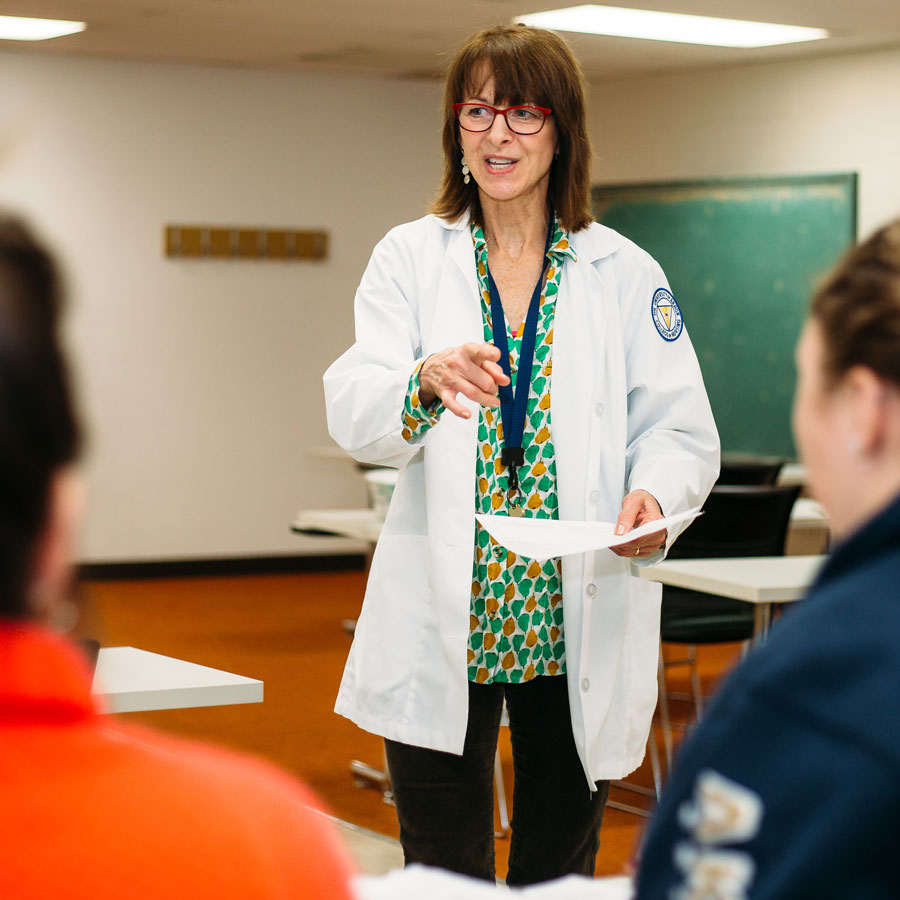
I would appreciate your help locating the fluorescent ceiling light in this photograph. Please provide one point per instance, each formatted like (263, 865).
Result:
(17, 28)
(661, 26)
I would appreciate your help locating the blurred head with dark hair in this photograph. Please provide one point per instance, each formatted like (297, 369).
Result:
(847, 407)
(39, 435)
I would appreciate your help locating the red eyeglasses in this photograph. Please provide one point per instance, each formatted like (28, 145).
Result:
(520, 119)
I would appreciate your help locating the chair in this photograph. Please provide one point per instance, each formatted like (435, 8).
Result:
(750, 470)
(655, 792)
(737, 520)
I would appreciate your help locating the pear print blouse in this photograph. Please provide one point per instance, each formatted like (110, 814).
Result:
(515, 612)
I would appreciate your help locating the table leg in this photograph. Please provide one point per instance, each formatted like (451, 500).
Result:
(365, 775)
(762, 615)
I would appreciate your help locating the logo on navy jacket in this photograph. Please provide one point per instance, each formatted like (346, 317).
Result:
(666, 315)
(720, 817)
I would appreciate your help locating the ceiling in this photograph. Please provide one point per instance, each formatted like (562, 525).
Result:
(413, 38)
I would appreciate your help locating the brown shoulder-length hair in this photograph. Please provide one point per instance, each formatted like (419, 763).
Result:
(858, 309)
(528, 65)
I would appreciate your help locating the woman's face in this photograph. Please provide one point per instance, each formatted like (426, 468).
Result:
(508, 166)
(820, 427)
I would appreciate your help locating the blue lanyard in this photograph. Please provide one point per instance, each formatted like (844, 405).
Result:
(514, 396)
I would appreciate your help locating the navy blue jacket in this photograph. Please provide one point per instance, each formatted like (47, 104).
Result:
(790, 786)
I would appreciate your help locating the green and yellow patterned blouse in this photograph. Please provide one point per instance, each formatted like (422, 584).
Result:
(516, 615)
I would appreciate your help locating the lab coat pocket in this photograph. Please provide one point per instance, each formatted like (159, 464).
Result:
(643, 631)
(389, 642)
(406, 515)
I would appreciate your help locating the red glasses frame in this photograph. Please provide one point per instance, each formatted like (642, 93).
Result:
(495, 110)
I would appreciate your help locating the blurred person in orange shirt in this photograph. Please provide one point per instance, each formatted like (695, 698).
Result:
(91, 807)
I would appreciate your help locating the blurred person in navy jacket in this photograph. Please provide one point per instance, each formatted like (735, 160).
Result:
(789, 786)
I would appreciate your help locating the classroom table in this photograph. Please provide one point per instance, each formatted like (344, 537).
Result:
(808, 530)
(760, 580)
(361, 524)
(364, 525)
(792, 473)
(808, 513)
(131, 680)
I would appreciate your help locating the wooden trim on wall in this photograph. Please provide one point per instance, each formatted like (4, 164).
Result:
(251, 565)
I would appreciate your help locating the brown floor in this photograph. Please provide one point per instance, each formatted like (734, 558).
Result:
(286, 630)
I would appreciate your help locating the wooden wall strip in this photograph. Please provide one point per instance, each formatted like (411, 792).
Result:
(219, 242)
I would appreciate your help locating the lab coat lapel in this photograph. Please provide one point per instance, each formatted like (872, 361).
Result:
(450, 461)
(571, 390)
(457, 317)
(587, 391)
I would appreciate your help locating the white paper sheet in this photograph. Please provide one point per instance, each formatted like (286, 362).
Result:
(544, 538)
(418, 882)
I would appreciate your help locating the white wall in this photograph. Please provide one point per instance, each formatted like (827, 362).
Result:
(824, 115)
(201, 380)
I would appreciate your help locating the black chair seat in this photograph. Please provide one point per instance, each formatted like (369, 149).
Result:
(690, 617)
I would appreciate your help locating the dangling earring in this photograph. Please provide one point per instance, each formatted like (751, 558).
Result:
(465, 169)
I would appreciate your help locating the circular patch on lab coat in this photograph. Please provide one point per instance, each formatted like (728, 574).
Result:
(666, 315)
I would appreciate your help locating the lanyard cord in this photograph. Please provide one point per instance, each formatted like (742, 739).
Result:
(514, 396)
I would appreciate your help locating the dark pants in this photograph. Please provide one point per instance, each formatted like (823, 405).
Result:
(445, 803)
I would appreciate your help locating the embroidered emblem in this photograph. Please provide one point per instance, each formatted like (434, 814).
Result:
(666, 315)
(720, 812)
(712, 874)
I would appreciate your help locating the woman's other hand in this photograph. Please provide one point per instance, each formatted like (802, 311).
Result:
(638, 508)
(470, 369)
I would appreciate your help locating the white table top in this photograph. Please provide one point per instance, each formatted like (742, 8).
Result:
(361, 524)
(792, 473)
(759, 579)
(807, 513)
(132, 680)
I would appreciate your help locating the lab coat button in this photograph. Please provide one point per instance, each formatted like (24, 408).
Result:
(594, 497)
(599, 409)
(585, 684)
(590, 590)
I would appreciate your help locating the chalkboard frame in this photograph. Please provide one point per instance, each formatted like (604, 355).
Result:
(752, 421)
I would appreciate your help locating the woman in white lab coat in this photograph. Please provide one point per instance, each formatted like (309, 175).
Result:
(513, 357)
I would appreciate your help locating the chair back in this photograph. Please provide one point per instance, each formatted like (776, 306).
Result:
(750, 470)
(739, 520)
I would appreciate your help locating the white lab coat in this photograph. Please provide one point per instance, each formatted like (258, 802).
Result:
(628, 411)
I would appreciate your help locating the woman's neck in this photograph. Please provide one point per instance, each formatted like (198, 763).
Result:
(513, 229)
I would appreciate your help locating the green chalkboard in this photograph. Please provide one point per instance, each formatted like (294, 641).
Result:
(743, 257)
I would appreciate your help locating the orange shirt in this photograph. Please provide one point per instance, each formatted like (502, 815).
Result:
(90, 807)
